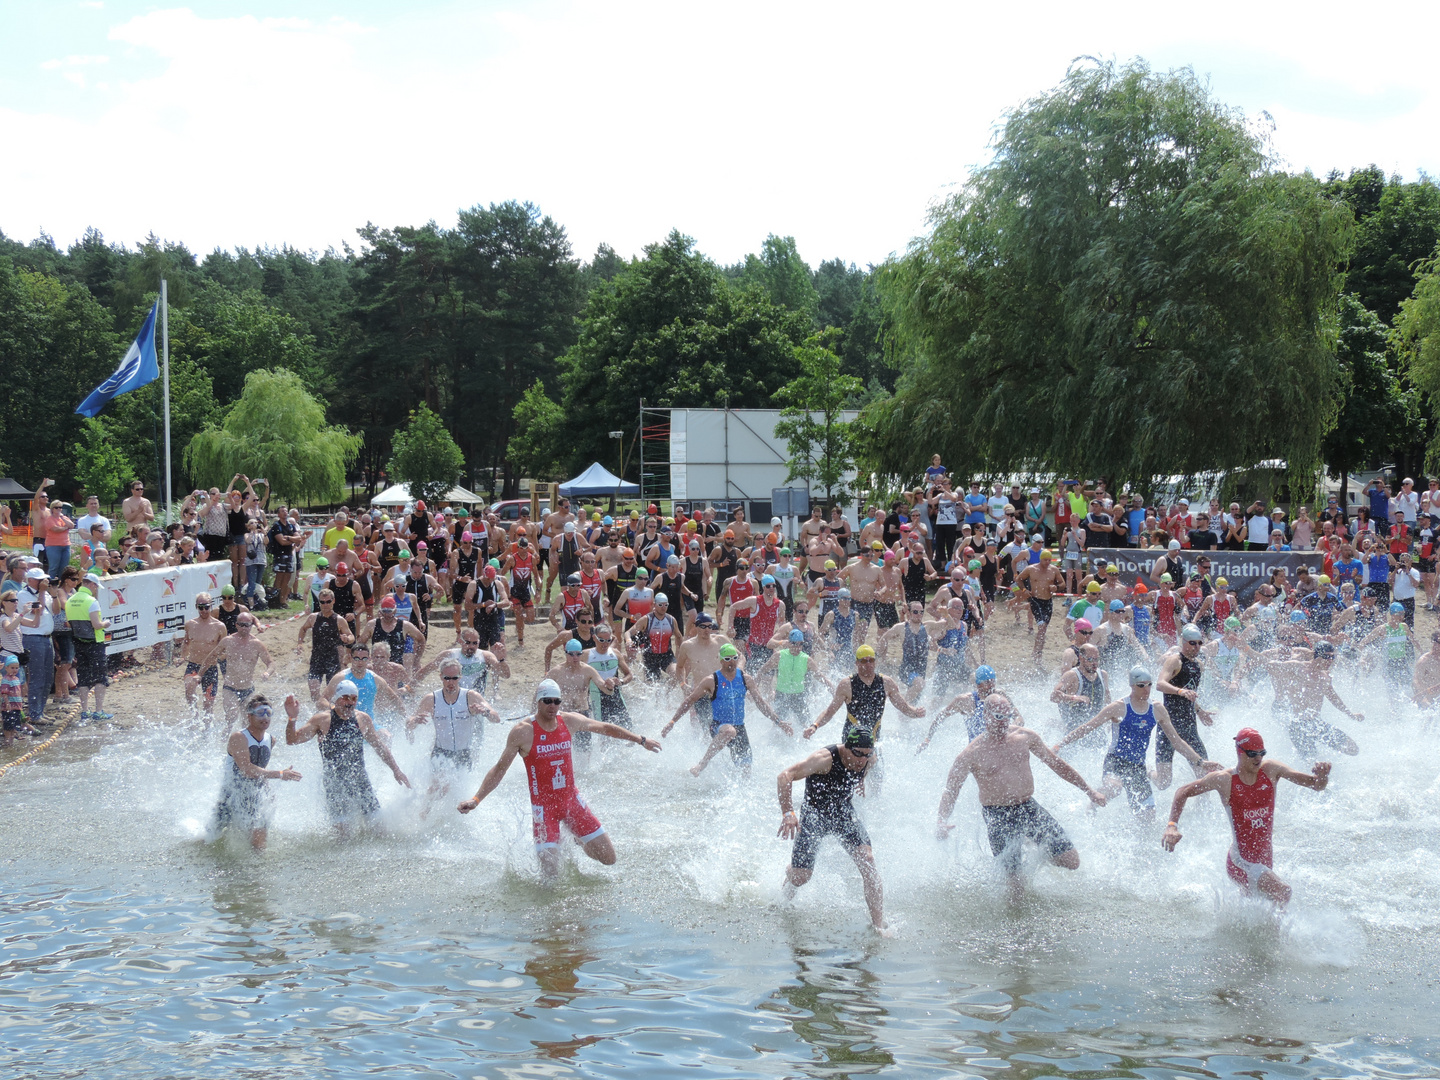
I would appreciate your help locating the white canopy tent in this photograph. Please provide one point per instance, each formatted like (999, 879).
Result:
(399, 495)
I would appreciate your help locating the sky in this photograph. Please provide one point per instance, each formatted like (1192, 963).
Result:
(264, 123)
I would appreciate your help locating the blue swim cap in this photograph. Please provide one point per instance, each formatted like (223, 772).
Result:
(984, 673)
(1397, 608)
(1297, 616)
(1117, 605)
(607, 520)
(767, 580)
(797, 635)
(573, 645)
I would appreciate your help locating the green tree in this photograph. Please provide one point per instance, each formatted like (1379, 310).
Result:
(1397, 225)
(277, 431)
(782, 275)
(1417, 330)
(1377, 414)
(672, 330)
(137, 421)
(426, 457)
(56, 345)
(537, 445)
(239, 334)
(822, 445)
(1128, 256)
(101, 467)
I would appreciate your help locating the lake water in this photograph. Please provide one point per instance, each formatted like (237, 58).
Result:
(131, 948)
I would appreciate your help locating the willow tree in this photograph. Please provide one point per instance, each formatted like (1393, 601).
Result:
(1129, 288)
(276, 431)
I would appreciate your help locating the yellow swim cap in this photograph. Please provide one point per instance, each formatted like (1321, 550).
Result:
(864, 652)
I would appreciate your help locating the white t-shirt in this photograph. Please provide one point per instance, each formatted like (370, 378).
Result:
(1259, 529)
(1406, 582)
(1409, 505)
(85, 523)
(998, 505)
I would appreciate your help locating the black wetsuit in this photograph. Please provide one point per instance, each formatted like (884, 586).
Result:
(867, 706)
(342, 771)
(828, 808)
(1182, 712)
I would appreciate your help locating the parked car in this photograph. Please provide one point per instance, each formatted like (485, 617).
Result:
(509, 510)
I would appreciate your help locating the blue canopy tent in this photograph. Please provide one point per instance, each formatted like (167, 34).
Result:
(597, 480)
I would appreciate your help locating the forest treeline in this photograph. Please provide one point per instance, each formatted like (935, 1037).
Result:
(1144, 293)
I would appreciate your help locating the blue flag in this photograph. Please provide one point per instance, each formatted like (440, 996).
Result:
(138, 368)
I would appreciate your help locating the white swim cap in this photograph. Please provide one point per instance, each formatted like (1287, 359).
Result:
(547, 688)
(346, 689)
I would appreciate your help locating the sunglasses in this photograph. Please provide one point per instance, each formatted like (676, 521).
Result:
(449, 678)
(1084, 633)
(206, 607)
(549, 701)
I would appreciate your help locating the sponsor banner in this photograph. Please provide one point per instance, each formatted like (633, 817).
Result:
(149, 607)
(1243, 570)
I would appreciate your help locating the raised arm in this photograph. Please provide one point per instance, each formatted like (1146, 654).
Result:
(1215, 781)
(1062, 768)
(840, 698)
(958, 773)
(704, 687)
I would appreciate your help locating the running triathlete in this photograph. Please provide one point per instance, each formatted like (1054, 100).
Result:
(1179, 682)
(543, 742)
(1132, 720)
(832, 775)
(999, 759)
(454, 711)
(727, 689)
(1248, 793)
(1301, 689)
(246, 801)
(863, 697)
(341, 733)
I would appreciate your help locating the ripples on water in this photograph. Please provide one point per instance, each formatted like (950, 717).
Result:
(131, 948)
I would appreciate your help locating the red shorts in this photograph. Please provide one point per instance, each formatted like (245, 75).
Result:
(574, 814)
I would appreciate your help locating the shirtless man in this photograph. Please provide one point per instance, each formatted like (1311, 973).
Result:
(811, 527)
(1248, 794)
(552, 530)
(999, 759)
(241, 651)
(575, 678)
(817, 550)
(203, 635)
(136, 509)
(1301, 688)
(543, 741)
(865, 579)
(1039, 582)
(916, 637)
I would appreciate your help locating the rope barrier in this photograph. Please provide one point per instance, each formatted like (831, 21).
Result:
(43, 746)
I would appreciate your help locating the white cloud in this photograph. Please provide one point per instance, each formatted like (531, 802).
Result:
(836, 123)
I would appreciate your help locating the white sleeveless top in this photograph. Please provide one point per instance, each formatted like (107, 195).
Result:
(454, 726)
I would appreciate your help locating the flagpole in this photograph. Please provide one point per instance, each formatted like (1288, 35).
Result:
(165, 336)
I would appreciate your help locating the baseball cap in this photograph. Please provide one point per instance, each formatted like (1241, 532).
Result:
(92, 579)
(797, 635)
(1247, 738)
(34, 574)
(728, 651)
(547, 688)
(574, 646)
(864, 652)
(1191, 632)
(347, 689)
(984, 673)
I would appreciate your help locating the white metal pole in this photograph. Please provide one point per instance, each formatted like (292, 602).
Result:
(165, 338)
